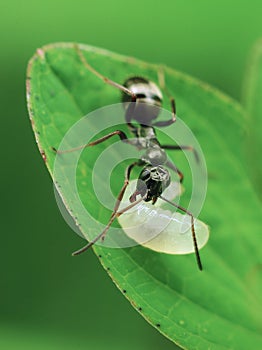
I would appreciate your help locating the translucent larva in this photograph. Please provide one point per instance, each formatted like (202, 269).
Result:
(159, 229)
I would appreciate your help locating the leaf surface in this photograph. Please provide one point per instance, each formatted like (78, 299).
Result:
(253, 103)
(218, 308)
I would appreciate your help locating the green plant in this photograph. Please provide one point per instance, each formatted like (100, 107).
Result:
(214, 309)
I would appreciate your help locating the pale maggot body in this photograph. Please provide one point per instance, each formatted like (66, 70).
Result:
(162, 230)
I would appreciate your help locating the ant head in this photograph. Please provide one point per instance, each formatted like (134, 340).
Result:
(152, 181)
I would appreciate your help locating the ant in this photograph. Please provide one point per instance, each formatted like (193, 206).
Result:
(142, 100)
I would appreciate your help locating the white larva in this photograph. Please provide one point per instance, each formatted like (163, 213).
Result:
(161, 230)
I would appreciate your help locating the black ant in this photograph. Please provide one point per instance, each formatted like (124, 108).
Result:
(142, 101)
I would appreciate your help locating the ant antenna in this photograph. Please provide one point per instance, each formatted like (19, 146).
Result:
(192, 230)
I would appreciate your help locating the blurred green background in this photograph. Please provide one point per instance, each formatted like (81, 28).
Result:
(49, 300)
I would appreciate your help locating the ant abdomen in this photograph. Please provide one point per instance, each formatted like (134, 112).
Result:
(148, 99)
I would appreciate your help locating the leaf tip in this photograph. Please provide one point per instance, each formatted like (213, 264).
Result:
(40, 53)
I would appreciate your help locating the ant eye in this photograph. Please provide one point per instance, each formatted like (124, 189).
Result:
(145, 175)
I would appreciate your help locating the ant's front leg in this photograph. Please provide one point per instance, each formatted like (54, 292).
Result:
(176, 170)
(115, 212)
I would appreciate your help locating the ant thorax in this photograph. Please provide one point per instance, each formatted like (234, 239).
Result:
(155, 156)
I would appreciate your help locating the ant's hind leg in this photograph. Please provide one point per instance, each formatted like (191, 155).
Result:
(101, 76)
(162, 84)
(130, 110)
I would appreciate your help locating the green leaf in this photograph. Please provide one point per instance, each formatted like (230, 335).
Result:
(252, 94)
(218, 308)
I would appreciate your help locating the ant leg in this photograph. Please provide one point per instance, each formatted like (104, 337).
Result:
(115, 212)
(123, 189)
(192, 230)
(102, 234)
(173, 167)
(161, 79)
(170, 121)
(120, 133)
(101, 76)
(131, 107)
(180, 148)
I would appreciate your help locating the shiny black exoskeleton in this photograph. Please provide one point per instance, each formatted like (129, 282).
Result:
(155, 177)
